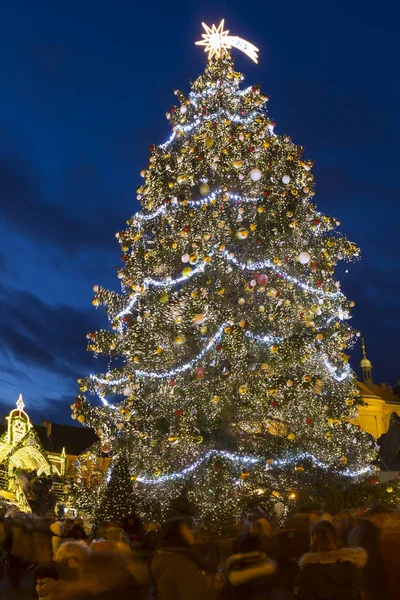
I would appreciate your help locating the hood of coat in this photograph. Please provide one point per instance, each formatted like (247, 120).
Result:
(245, 568)
(57, 528)
(356, 556)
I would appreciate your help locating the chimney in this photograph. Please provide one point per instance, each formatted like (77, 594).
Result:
(390, 388)
(49, 426)
(383, 386)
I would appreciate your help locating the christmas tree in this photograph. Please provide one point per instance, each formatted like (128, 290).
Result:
(228, 383)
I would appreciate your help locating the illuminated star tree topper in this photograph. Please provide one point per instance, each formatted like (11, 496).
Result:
(217, 42)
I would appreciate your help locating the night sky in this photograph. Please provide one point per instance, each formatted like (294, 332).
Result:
(84, 90)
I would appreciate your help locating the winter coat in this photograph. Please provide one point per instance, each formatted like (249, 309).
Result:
(248, 577)
(366, 535)
(57, 529)
(42, 547)
(21, 540)
(178, 575)
(286, 547)
(333, 575)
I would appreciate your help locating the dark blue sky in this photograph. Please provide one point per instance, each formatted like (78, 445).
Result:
(84, 89)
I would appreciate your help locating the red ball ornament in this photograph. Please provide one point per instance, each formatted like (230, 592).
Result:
(265, 193)
(217, 466)
(274, 403)
(309, 421)
(200, 372)
(319, 284)
(262, 279)
(151, 147)
(78, 404)
(372, 480)
(316, 221)
(251, 149)
(171, 383)
(313, 265)
(179, 412)
(172, 109)
(218, 347)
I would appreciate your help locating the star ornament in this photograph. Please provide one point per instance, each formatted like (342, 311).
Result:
(217, 42)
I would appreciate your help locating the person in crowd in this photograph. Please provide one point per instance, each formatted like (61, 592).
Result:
(76, 532)
(247, 575)
(367, 535)
(47, 581)
(286, 546)
(41, 540)
(108, 578)
(178, 573)
(327, 572)
(343, 523)
(57, 529)
(324, 514)
(133, 527)
(142, 558)
(390, 551)
(73, 556)
(20, 547)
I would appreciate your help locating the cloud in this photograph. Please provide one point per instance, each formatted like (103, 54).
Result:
(42, 336)
(26, 210)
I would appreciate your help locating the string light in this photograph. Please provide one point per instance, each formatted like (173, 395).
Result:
(188, 365)
(240, 460)
(200, 202)
(232, 117)
(267, 264)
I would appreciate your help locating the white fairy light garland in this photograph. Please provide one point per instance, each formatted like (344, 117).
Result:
(249, 460)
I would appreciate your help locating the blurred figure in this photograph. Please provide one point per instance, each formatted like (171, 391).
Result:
(133, 527)
(286, 546)
(343, 523)
(324, 515)
(47, 581)
(178, 573)
(390, 551)
(329, 573)
(107, 578)
(57, 529)
(247, 575)
(142, 558)
(367, 535)
(20, 543)
(76, 532)
(72, 555)
(41, 539)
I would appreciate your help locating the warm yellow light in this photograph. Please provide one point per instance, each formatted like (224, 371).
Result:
(217, 42)
(292, 496)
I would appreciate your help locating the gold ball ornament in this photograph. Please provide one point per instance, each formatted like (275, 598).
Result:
(243, 389)
(81, 418)
(291, 436)
(343, 460)
(209, 142)
(187, 271)
(389, 489)
(242, 233)
(204, 189)
(180, 340)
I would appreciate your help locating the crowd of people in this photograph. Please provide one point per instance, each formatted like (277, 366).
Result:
(311, 556)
